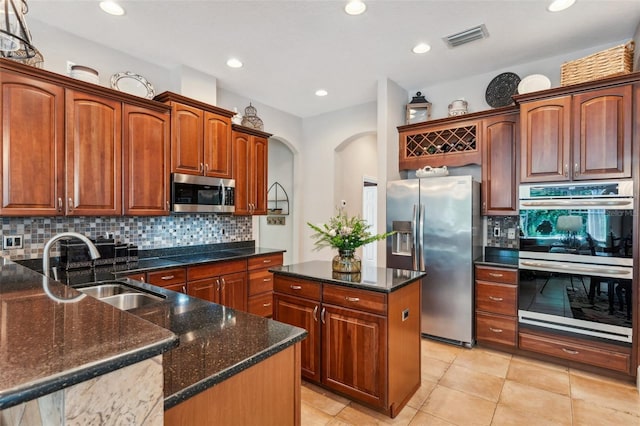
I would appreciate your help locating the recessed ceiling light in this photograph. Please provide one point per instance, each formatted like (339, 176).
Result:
(421, 48)
(355, 7)
(112, 8)
(234, 63)
(321, 92)
(560, 5)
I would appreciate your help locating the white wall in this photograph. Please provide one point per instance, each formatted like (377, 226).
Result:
(354, 159)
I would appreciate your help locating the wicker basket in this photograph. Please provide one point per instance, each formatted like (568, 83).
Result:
(614, 61)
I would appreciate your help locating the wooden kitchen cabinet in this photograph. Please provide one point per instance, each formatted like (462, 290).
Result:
(200, 137)
(174, 279)
(361, 343)
(579, 136)
(221, 282)
(146, 161)
(250, 162)
(93, 155)
(500, 161)
(260, 292)
(32, 128)
(496, 305)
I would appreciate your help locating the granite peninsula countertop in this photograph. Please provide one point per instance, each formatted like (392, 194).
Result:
(215, 342)
(385, 280)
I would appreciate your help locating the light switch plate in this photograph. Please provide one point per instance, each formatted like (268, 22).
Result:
(511, 233)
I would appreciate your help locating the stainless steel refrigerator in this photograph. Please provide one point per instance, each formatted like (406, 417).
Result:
(438, 231)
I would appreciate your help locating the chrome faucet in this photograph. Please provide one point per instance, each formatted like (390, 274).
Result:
(93, 251)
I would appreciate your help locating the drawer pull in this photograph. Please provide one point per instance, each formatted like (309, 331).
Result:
(168, 277)
(295, 287)
(266, 261)
(569, 351)
(266, 280)
(496, 275)
(184, 289)
(496, 299)
(315, 313)
(266, 305)
(496, 330)
(352, 299)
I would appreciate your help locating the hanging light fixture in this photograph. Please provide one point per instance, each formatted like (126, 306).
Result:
(15, 38)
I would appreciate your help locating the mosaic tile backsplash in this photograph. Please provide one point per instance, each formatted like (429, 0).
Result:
(498, 228)
(145, 232)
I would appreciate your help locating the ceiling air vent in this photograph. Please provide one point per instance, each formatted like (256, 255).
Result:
(466, 36)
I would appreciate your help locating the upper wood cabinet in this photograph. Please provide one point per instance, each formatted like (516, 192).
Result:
(200, 137)
(581, 136)
(500, 165)
(93, 155)
(32, 129)
(146, 162)
(250, 162)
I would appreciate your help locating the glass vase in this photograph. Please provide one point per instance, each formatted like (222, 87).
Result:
(346, 262)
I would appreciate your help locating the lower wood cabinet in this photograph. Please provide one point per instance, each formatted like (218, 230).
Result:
(496, 305)
(260, 301)
(361, 343)
(221, 282)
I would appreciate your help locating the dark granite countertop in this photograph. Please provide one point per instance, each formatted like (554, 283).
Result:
(48, 345)
(499, 257)
(385, 280)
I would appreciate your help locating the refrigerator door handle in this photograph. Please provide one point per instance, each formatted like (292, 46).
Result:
(421, 238)
(414, 236)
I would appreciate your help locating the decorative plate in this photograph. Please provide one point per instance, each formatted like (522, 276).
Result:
(533, 83)
(501, 88)
(132, 83)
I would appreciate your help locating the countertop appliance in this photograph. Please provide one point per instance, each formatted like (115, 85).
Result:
(202, 194)
(576, 258)
(438, 231)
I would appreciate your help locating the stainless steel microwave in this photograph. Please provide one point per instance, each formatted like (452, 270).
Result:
(202, 194)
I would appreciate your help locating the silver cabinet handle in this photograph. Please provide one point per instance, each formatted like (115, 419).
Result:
(206, 168)
(266, 260)
(59, 204)
(168, 277)
(315, 313)
(266, 280)
(576, 169)
(495, 275)
(566, 170)
(184, 289)
(223, 283)
(70, 206)
(570, 352)
(201, 168)
(266, 305)
(167, 204)
(352, 299)
(496, 299)
(496, 330)
(295, 287)
(322, 315)
(217, 285)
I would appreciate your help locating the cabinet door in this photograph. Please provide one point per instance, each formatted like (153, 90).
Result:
(217, 145)
(545, 140)
(32, 129)
(206, 289)
(258, 175)
(233, 290)
(241, 152)
(602, 134)
(94, 155)
(500, 166)
(354, 353)
(186, 139)
(302, 313)
(146, 162)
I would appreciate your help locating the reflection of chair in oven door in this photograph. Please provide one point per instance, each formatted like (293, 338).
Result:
(616, 287)
(552, 274)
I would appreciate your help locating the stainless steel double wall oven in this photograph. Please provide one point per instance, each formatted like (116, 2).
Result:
(576, 258)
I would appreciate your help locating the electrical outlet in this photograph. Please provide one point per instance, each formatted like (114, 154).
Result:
(496, 232)
(511, 233)
(69, 65)
(10, 242)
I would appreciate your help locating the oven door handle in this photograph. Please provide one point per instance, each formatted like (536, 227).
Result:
(574, 268)
(577, 203)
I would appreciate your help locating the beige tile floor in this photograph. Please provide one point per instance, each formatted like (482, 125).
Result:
(484, 387)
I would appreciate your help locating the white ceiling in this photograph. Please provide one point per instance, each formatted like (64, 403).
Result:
(292, 48)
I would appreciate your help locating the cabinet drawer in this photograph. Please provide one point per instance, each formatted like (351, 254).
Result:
(167, 277)
(507, 276)
(605, 357)
(496, 329)
(298, 287)
(264, 261)
(214, 269)
(142, 277)
(260, 281)
(496, 298)
(261, 304)
(362, 300)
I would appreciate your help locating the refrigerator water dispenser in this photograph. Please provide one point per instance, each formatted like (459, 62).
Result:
(403, 239)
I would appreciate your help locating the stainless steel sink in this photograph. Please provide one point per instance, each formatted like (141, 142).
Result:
(127, 301)
(120, 295)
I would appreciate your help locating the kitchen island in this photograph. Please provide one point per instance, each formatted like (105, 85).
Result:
(224, 356)
(364, 329)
